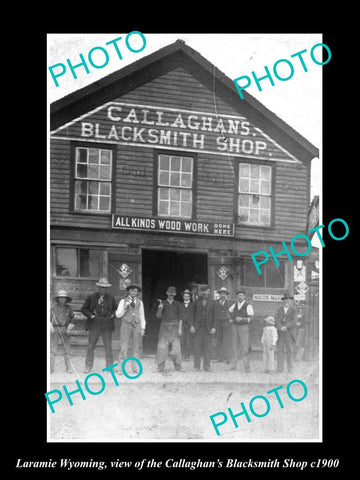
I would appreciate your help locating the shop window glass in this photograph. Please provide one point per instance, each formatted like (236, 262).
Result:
(78, 262)
(271, 277)
(275, 276)
(175, 178)
(254, 194)
(93, 175)
(66, 262)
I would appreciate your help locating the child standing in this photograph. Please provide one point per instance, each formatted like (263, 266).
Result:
(269, 339)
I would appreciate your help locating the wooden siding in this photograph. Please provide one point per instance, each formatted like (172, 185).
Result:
(215, 182)
(178, 89)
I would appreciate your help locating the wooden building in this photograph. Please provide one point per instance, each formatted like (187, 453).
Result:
(161, 175)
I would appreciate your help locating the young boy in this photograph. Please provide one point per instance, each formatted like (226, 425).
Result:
(268, 340)
(61, 316)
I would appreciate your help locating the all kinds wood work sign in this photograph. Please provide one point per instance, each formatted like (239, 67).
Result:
(125, 222)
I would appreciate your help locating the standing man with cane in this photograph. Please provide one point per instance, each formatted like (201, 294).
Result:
(61, 322)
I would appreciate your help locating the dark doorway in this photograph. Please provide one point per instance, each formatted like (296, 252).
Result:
(160, 269)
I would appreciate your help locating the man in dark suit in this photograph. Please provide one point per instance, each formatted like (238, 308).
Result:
(223, 326)
(285, 322)
(186, 313)
(99, 310)
(203, 327)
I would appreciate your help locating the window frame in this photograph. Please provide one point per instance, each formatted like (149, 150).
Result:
(174, 153)
(101, 251)
(248, 261)
(271, 196)
(98, 146)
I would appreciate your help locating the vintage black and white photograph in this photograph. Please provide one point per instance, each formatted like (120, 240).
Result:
(185, 237)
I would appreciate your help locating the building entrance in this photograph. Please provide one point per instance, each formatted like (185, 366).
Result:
(160, 269)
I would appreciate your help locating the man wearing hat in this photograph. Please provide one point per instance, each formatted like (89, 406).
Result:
(131, 310)
(61, 322)
(170, 330)
(186, 310)
(285, 322)
(99, 309)
(222, 325)
(203, 327)
(241, 315)
(268, 340)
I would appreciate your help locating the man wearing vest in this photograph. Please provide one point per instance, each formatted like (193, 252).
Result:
(170, 331)
(285, 322)
(187, 315)
(241, 315)
(99, 310)
(131, 311)
(223, 326)
(203, 327)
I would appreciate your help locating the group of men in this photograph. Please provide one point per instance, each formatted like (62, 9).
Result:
(186, 328)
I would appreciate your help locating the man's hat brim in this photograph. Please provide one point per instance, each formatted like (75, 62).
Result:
(223, 289)
(62, 294)
(103, 282)
(185, 291)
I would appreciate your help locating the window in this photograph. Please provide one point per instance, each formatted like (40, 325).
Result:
(78, 262)
(254, 200)
(175, 179)
(272, 276)
(93, 173)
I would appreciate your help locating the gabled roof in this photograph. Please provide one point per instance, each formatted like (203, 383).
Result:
(175, 55)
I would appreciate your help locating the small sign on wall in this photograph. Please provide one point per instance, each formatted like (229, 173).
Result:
(124, 283)
(265, 297)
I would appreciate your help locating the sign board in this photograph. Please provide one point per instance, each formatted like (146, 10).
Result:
(169, 128)
(313, 216)
(152, 224)
(264, 297)
(302, 288)
(299, 297)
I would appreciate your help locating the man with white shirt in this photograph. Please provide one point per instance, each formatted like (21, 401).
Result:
(285, 322)
(241, 315)
(131, 311)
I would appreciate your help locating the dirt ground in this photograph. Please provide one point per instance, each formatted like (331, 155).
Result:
(174, 411)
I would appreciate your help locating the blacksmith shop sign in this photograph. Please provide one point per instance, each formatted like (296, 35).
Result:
(168, 128)
(123, 222)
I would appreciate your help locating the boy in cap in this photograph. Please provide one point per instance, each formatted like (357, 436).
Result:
(285, 322)
(61, 323)
(186, 314)
(99, 309)
(203, 327)
(268, 341)
(241, 315)
(170, 330)
(131, 310)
